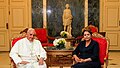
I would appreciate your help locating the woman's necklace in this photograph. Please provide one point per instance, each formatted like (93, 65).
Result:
(87, 43)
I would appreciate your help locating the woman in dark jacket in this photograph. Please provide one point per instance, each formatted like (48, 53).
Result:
(86, 53)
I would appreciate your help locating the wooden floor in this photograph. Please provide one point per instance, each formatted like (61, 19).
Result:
(114, 60)
(4, 60)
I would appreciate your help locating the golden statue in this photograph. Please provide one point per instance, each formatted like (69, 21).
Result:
(67, 19)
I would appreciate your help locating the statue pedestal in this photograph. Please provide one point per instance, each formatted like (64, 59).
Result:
(68, 42)
(68, 45)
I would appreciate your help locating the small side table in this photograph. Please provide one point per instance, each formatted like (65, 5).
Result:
(59, 58)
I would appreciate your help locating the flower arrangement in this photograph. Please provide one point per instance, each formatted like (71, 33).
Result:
(65, 34)
(59, 43)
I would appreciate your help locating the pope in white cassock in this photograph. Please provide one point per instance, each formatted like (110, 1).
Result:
(28, 52)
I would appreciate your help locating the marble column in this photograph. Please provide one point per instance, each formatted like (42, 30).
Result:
(86, 13)
(44, 14)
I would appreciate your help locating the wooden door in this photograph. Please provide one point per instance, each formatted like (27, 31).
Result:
(15, 15)
(18, 16)
(111, 22)
(4, 38)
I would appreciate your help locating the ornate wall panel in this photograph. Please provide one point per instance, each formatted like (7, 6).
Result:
(4, 38)
(55, 21)
(112, 0)
(17, 17)
(93, 12)
(37, 13)
(55, 11)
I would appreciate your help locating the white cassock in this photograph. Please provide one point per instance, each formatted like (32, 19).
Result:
(24, 50)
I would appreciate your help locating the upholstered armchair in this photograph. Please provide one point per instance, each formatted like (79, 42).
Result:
(103, 45)
(92, 28)
(95, 29)
(42, 35)
(14, 40)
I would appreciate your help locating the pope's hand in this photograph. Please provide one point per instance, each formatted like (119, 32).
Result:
(41, 61)
(24, 62)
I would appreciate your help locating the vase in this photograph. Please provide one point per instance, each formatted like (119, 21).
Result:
(64, 36)
(60, 46)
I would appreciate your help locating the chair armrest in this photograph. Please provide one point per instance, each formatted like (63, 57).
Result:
(12, 63)
(51, 38)
(79, 37)
(106, 57)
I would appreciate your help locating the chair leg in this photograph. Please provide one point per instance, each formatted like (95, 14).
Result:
(61, 66)
(72, 66)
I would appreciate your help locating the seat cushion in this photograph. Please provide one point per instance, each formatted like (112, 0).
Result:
(103, 46)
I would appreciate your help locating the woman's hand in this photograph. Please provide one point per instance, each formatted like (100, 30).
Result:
(85, 60)
(81, 61)
(76, 58)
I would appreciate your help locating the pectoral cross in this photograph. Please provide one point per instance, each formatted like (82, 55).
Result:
(31, 54)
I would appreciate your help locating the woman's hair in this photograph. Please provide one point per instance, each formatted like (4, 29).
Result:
(88, 30)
